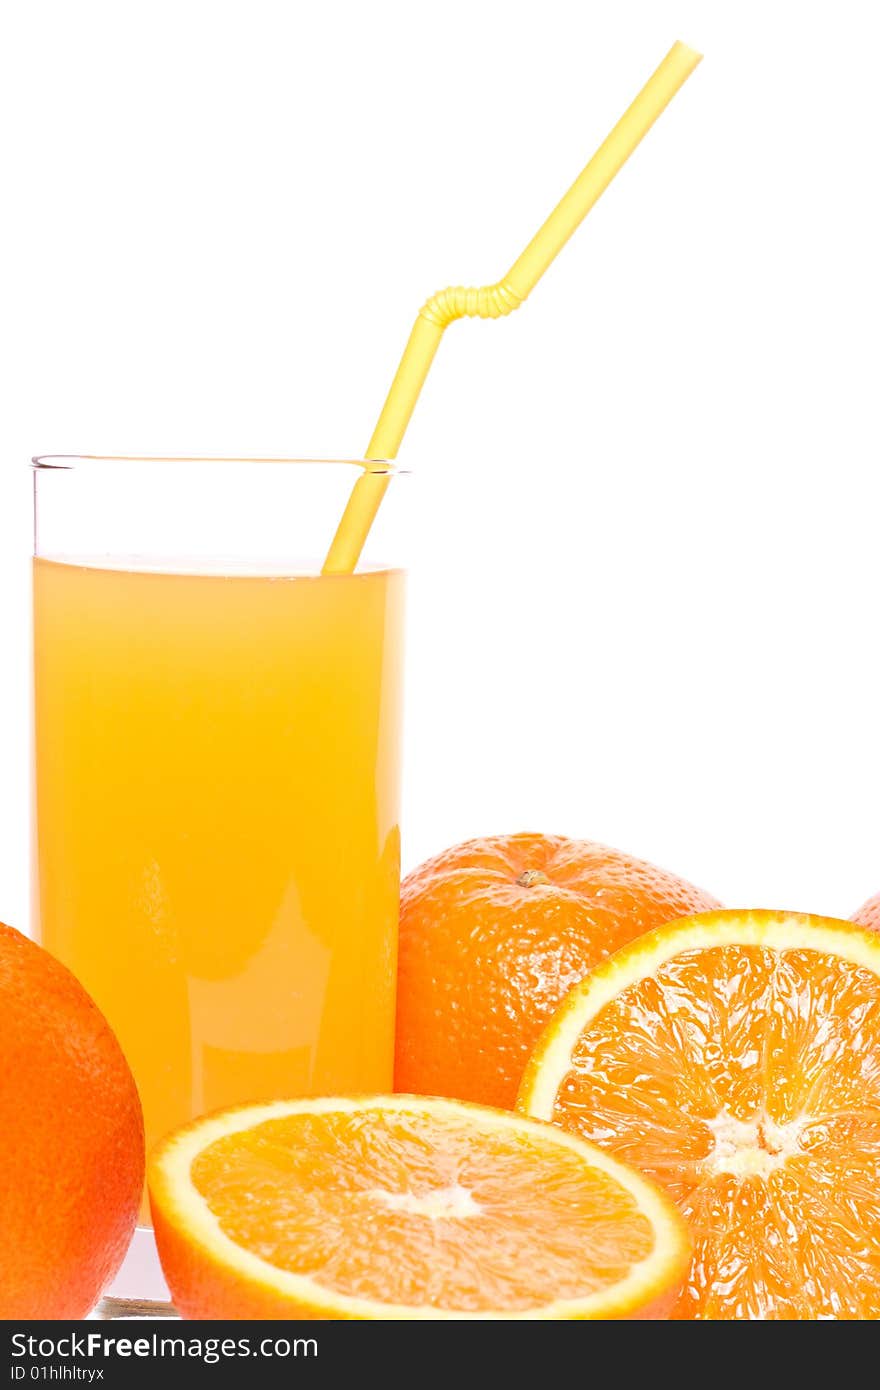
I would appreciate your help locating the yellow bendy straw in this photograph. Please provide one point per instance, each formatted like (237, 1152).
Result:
(493, 301)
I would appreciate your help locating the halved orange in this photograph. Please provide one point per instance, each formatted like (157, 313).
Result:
(399, 1207)
(734, 1057)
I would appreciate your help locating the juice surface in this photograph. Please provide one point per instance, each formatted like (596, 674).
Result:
(217, 769)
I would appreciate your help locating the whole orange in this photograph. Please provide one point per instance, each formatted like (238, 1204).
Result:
(71, 1140)
(493, 933)
(868, 914)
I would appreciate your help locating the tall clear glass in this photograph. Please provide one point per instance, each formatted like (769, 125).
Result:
(217, 767)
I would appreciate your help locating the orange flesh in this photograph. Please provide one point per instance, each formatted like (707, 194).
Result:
(747, 1082)
(400, 1210)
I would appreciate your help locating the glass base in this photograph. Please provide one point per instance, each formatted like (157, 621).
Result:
(139, 1289)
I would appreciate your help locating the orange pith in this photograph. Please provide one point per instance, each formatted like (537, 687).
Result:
(735, 1058)
(398, 1207)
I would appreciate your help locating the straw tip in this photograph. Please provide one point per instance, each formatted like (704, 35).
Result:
(684, 50)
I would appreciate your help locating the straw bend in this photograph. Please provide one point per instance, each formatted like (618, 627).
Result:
(485, 302)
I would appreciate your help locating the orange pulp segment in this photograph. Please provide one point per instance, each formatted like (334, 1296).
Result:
(401, 1207)
(735, 1058)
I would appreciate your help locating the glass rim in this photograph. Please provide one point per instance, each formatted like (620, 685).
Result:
(65, 463)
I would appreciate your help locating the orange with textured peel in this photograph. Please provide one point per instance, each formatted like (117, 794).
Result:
(71, 1140)
(400, 1207)
(493, 934)
(868, 914)
(735, 1058)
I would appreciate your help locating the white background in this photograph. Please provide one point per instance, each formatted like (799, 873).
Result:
(644, 606)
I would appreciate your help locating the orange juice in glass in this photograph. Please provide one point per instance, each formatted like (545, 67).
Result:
(217, 739)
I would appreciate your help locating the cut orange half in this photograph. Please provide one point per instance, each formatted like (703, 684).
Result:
(735, 1058)
(399, 1207)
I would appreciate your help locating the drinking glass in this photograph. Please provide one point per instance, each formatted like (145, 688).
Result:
(217, 767)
